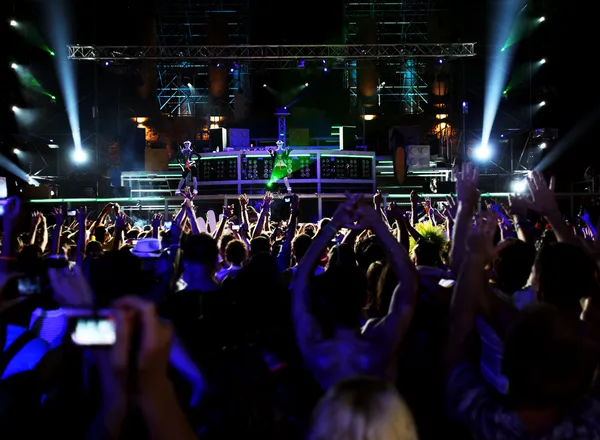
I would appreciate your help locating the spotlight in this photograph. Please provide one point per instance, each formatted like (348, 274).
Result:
(543, 61)
(326, 69)
(543, 103)
(482, 153)
(231, 70)
(79, 155)
(541, 19)
(190, 85)
(543, 145)
(264, 85)
(17, 151)
(15, 108)
(305, 84)
(440, 61)
(107, 63)
(14, 66)
(519, 186)
(13, 23)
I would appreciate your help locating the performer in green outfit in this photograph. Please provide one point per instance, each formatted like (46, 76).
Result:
(282, 165)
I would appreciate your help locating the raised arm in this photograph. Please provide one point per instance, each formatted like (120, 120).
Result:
(467, 195)
(264, 213)
(305, 325)
(404, 299)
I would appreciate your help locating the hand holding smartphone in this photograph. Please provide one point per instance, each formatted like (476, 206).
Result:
(91, 328)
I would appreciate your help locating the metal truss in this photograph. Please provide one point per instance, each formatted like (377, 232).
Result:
(273, 52)
(186, 23)
(404, 22)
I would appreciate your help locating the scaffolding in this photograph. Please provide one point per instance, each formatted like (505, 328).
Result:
(182, 87)
(404, 22)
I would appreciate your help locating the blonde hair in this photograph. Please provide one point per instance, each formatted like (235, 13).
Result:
(362, 409)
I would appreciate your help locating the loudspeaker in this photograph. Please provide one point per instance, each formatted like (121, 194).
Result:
(348, 138)
(217, 140)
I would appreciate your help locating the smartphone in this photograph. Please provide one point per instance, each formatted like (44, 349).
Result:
(287, 199)
(168, 225)
(29, 286)
(91, 328)
(446, 284)
(72, 212)
(235, 227)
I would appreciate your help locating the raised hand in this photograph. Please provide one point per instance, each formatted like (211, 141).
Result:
(267, 199)
(481, 240)
(59, 216)
(243, 199)
(367, 217)
(228, 211)
(451, 207)
(157, 221)
(155, 341)
(466, 184)
(120, 221)
(295, 202)
(544, 201)
(82, 215)
(377, 199)
(344, 215)
(70, 287)
(36, 218)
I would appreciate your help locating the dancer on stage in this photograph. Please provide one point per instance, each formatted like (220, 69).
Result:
(188, 159)
(282, 166)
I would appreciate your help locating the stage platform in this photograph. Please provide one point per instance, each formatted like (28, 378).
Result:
(169, 205)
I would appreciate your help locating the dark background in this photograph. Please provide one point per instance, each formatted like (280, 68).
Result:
(566, 82)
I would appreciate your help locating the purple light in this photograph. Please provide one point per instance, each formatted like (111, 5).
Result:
(441, 61)
(326, 69)
(218, 65)
(231, 70)
(107, 63)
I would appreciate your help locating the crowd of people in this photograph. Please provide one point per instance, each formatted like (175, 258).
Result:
(380, 323)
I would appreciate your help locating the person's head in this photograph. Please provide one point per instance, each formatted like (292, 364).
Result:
(368, 251)
(93, 249)
(300, 245)
(426, 253)
(548, 359)
(236, 252)
(223, 242)
(260, 245)
(100, 234)
(201, 250)
(341, 256)
(362, 408)
(563, 274)
(513, 263)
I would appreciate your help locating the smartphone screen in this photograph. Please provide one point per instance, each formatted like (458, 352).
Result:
(287, 199)
(72, 212)
(168, 225)
(29, 286)
(235, 227)
(90, 328)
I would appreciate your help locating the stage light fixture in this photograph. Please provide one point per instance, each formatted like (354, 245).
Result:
(264, 85)
(543, 145)
(543, 61)
(17, 151)
(305, 84)
(543, 103)
(190, 85)
(14, 23)
(482, 153)
(519, 186)
(326, 69)
(15, 108)
(542, 19)
(79, 155)
(14, 66)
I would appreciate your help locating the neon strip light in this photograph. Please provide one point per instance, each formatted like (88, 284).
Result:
(218, 157)
(347, 155)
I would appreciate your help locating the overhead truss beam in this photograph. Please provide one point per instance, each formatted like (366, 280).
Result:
(295, 52)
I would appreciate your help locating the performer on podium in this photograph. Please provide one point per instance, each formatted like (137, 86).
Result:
(187, 159)
(282, 166)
